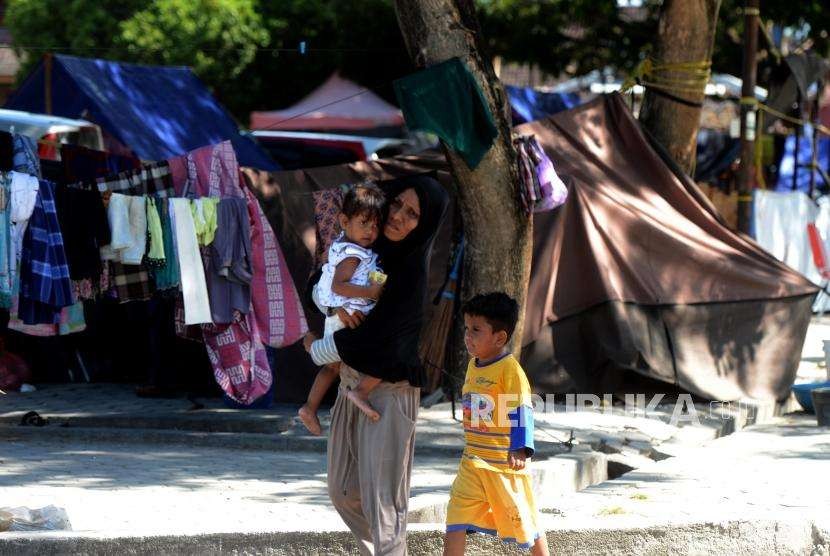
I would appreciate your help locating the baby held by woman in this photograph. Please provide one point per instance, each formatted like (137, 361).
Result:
(352, 281)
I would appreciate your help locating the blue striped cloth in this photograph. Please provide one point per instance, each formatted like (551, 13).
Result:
(45, 286)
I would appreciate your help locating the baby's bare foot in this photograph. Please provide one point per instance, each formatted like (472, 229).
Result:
(363, 405)
(310, 420)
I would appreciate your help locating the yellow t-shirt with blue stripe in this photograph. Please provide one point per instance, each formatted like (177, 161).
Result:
(498, 413)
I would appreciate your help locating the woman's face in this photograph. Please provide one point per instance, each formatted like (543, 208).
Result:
(404, 213)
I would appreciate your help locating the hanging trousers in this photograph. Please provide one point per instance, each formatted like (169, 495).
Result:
(370, 464)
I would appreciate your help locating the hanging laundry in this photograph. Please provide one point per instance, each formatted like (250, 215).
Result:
(118, 216)
(194, 287)
(127, 217)
(85, 229)
(155, 236)
(779, 225)
(236, 351)
(23, 196)
(204, 218)
(228, 262)
(166, 276)
(45, 286)
(72, 319)
(25, 157)
(214, 172)
(150, 179)
(554, 190)
(134, 253)
(7, 250)
(540, 188)
(130, 282)
(445, 99)
(240, 364)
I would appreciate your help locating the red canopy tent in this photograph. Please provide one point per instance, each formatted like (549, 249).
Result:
(337, 104)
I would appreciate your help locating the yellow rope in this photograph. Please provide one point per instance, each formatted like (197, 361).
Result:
(752, 101)
(695, 76)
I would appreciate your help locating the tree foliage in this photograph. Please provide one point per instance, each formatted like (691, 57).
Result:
(218, 38)
(230, 43)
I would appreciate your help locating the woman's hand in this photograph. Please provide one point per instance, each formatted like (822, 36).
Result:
(309, 339)
(351, 321)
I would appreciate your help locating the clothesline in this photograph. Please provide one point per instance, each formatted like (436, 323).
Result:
(206, 219)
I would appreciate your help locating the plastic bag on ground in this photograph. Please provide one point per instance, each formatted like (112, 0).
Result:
(50, 518)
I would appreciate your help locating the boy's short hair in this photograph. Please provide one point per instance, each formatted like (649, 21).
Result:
(499, 309)
(364, 199)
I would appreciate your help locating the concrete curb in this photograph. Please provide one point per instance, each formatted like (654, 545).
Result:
(227, 440)
(202, 421)
(738, 537)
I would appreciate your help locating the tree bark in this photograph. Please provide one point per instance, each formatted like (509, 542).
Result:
(497, 232)
(686, 33)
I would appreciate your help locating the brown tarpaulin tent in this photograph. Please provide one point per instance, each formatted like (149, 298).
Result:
(636, 272)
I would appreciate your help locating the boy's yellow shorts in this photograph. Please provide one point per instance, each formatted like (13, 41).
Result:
(495, 503)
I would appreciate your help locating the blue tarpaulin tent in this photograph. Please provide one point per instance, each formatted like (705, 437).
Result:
(530, 105)
(805, 157)
(156, 111)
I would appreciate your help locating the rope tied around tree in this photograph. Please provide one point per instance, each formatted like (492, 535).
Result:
(688, 78)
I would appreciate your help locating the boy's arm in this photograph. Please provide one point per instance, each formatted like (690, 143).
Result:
(340, 284)
(521, 419)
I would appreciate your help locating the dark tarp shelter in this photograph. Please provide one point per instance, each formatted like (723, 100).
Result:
(636, 272)
(155, 111)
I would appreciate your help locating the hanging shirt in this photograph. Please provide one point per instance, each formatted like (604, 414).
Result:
(23, 196)
(133, 254)
(155, 250)
(118, 216)
(45, 286)
(228, 262)
(204, 218)
(445, 99)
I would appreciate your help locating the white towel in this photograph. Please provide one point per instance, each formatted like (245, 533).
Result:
(23, 192)
(194, 287)
(134, 253)
(118, 214)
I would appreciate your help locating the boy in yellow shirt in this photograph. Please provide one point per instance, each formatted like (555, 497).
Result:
(492, 492)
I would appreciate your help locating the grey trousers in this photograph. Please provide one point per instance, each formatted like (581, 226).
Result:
(370, 464)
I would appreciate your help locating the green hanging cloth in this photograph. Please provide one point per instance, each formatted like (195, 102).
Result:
(446, 100)
(155, 253)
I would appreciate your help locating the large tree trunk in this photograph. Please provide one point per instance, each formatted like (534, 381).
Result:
(686, 34)
(497, 232)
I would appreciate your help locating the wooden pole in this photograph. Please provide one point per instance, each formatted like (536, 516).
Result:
(814, 146)
(47, 82)
(748, 114)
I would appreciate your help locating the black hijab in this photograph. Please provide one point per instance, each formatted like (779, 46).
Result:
(386, 344)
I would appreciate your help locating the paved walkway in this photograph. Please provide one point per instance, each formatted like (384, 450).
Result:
(773, 473)
(759, 491)
(123, 466)
(155, 490)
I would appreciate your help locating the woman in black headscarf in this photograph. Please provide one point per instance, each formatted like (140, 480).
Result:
(370, 463)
